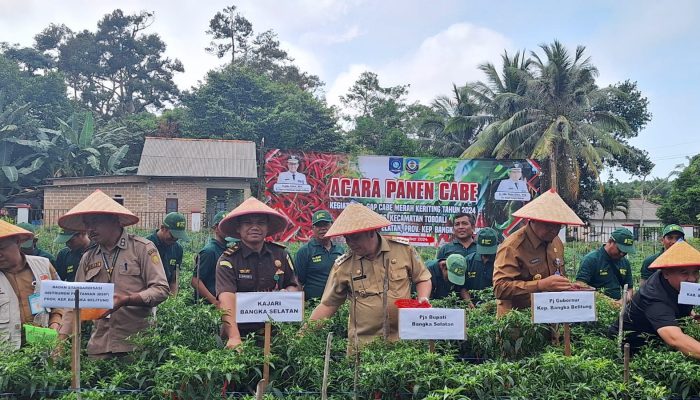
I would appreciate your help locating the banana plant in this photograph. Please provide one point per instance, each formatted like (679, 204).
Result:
(84, 150)
(23, 150)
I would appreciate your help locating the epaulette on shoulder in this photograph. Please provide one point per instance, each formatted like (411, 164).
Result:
(277, 244)
(399, 239)
(139, 239)
(343, 258)
(232, 250)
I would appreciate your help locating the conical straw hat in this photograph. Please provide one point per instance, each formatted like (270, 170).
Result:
(549, 207)
(251, 205)
(7, 230)
(356, 218)
(95, 204)
(681, 254)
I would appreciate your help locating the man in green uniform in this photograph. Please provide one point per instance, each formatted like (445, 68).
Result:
(314, 260)
(374, 273)
(607, 269)
(670, 235)
(30, 248)
(68, 258)
(166, 241)
(446, 277)
(204, 277)
(462, 237)
(479, 274)
(252, 265)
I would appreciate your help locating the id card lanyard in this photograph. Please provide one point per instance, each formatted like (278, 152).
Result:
(108, 267)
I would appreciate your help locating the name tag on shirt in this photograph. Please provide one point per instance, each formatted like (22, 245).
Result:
(35, 304)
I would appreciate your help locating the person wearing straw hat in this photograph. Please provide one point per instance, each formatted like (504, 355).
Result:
(373, 273)
(654, 311)
(20, 282)
(166, 238)
(314, 260)
(253, 264)
(128, 261)
(204, 277)
(607, 268)
(532, 258)
(669, 236)
(30, 247)
(479, 274)
(68, 258)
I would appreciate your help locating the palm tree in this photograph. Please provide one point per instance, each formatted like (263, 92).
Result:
(455, 122)
(553, 119)
(612, 200)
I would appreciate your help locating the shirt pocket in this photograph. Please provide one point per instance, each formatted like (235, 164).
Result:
(129, 275)
(398, 280)
(4, 310)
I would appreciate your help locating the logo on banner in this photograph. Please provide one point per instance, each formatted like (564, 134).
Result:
(395, 164)
(412, 165)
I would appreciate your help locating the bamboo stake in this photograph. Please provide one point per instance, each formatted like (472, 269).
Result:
(326, 364)
(567, 340)
(75, 354)
(266, 352)
(620, 321)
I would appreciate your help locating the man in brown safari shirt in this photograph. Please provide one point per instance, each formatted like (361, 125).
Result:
(531, 260)
(128, 261)
(252, 265)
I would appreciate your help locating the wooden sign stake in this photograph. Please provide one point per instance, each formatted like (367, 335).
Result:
(431, 345)
(75, 353)
(326, 364)
(266, 352)
(567, 339)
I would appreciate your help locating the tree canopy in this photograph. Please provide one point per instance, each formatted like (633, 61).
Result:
(682, 205)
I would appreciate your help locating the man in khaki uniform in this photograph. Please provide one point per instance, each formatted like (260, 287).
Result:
(373, 273)
(130, 262)
(20, 281)
(531, 260)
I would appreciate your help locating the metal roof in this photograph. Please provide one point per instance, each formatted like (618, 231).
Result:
(633, 215)
(207, 158)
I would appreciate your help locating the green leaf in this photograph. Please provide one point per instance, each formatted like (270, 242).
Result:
(87, 132)
(94, 162)
(116, 158)
(10, 172)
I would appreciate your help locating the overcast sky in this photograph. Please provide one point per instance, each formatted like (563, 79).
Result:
(432, 44)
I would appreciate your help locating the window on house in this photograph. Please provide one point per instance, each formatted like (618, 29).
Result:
(118, 198)
(170, 205)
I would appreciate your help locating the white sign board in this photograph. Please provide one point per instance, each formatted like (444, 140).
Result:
(60, 294)
(689, 294)
(431, 323)
(556, 307)
(269, 306)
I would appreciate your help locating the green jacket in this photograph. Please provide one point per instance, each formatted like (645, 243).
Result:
(171, 256)
(455, 247)
(313, 264)
(67, 262)
(599, 270)
(479, 275)
(646, 272)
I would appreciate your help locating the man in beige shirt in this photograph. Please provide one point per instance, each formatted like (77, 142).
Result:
(130, 262)
(531, 260)
(374, 273)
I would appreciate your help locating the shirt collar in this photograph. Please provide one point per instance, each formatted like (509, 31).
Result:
(247, 251)
(534, 240)
(383, 247)
(121, 242)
